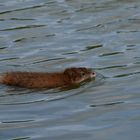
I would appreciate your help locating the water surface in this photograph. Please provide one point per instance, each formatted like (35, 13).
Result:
(51, 35)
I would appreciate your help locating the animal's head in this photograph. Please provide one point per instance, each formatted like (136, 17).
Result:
(78, 75)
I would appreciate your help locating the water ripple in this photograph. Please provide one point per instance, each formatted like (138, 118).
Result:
(111, 67)
(23, 27)
(126, 74)
(89, 28)
(33, 37)
(90, 47)
(106, 104)
(108, 54)
(21, 9)
(21, 19)
(17, 96)
(10, 58)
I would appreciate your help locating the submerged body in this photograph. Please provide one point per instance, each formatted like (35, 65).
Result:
(70, 76)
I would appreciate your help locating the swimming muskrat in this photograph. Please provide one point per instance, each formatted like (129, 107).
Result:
(70, 76)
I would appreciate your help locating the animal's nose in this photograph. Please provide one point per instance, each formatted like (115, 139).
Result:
(94, 74)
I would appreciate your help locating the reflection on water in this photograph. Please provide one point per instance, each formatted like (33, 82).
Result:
(55, 34)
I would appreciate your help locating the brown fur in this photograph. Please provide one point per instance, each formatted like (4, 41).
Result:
(46, 80)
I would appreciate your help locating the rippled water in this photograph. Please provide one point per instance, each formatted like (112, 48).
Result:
(51, 35)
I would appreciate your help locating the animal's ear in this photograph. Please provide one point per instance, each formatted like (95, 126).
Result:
(69, 72)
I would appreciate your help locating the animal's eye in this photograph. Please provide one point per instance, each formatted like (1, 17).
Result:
(83, 74)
